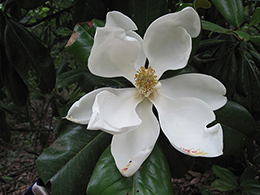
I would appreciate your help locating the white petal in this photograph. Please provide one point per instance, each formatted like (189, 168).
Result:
(184, 122)
(115, 112)
(135, 146)
(167, 41)
(117, 19)
(114, 53)
(200, 86)
(81, 111)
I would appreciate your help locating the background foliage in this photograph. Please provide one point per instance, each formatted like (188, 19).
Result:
(44, 48)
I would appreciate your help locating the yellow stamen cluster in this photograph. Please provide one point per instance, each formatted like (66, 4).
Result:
(145, 81)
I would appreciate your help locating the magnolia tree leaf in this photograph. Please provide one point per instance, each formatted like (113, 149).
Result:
(179, 163)
(29, 56)
(248, 174)
(206, 25)
(255, 40)
(251, 187)
(68, 163)
(142, 12)
(255, 17)
(227, 179)
(89, 82)
(17, 88)
(69, 77)
(153, 177)
(238, 126)
(81, 41)
(247, 91)
(231, 10)
(205, 4)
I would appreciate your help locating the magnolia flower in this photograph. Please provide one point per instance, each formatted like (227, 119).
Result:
(184, 103)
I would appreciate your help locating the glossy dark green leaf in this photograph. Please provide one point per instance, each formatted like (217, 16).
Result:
(242, 35)
(223, 186)
(153, 177)
(248, 174)
(88, 82)
(255, 40)
(87, 10)
(18, 90)
(142, 12)
(151, 10)
(247, 91)
(225, 175)
(207, 44)
(68, 163)
(30, 4)
(252, 187)
(255, 17)
(206, 25)
(231, 10)
(179, 163)
(238, 126)
(69, 77)
(29, 56)
(225, 70)
(81, 41)
(5, 133)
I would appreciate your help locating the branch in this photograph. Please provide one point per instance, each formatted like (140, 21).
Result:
(48, 17)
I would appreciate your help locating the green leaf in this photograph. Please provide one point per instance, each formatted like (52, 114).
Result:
(252, 187)
(223, 186)
(247, 91)
(205, 4)
(248, 174)
(179, 163)
(88, 82)
(12, 80)
(5, 133)
(29, 56)
(255, 40)
(64, 31)
(238, 125)
(69, 77)
(207, 44)
(81, 41)
(242, 35)
(256, 17)
(206, 25)
(225, 175)
(151, 10)
(153, 177)
(256, 156)
(69, 162)
(231, 10)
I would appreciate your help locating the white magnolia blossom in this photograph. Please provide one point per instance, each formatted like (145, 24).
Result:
(184, 103)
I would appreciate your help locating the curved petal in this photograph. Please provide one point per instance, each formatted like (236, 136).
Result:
(200, 86)
(167, 41)
(114, 53)
(115, 112)
(81, 111)
(131, 149)
(184, 122)
(117, 19)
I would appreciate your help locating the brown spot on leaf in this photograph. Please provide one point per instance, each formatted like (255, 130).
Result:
(72, 39)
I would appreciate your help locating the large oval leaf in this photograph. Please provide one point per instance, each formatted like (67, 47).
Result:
(29, 56)
(69, 162)
(152, 178)
(231, 10)
(238, 126)
(81, 41)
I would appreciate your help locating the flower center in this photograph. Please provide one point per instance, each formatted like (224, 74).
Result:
(146, 81)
